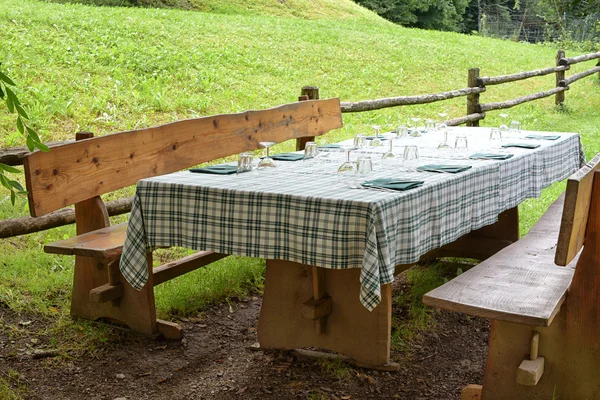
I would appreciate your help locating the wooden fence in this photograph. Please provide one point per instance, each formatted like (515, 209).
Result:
(475, 112)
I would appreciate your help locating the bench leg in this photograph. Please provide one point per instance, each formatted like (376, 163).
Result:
(349, 329)
(135, 309)
(510, 345)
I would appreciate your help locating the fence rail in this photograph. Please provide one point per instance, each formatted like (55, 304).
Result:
(475, 113)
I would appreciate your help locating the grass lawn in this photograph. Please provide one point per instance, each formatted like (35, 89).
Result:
(104, 69)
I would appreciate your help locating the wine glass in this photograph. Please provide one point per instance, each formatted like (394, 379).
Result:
(347, 171)
(266, 162)
(444, 146)
(415, 127)
(387, 159)
(444, 119)
(503, 127)
(429, 126)
(515, 128)
(376, 141)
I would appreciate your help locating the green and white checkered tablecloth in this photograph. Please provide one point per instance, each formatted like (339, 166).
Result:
(300, 212)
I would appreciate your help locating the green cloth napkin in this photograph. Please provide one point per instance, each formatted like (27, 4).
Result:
(452, 169)
(288, 156)
(490, 156)
(543, 137)
(391, 183)
(222, 169)
(522, 145)
(373, 137)
(330, 146)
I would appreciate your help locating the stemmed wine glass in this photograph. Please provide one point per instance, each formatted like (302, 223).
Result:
(347, 171)
(416, 129)
(444, 118)
(503, 127)
(444, 146)
(388, 157)
(376, 140)
(266, 162)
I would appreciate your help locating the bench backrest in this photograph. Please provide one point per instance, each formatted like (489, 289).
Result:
(578, 198)
(79, 171)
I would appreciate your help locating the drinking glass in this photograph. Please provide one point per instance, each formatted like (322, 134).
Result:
(244, 162)
(387, 159)
(410, 158)
(415, 127)
(444, 119)
(402, 132)
(444, 145)
(311, 151)
(461, 145)
(375, 142)
(495, 138)
(347, 171)
(429, 126)
(515, 128)
(364, 166)
(359, 141)
(503, 127)
(266, 162)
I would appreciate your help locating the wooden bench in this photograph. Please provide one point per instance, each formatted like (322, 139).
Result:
(78, 173)
(545, 335)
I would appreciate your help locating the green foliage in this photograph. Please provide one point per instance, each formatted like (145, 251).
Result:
(443, 15)
(32, 139)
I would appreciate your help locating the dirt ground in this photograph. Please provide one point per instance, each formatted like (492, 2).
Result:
(218, 359)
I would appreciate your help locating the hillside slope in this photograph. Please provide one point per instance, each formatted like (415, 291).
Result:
(307, 9)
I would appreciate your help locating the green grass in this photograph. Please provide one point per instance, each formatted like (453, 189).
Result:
(12, 386)
(107, 69)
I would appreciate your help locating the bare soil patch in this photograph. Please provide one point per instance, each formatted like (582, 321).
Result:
(217, 360)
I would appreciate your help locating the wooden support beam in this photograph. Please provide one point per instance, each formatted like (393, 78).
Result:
(169, 330)
(471, 392)
(316, 355)
(530, 371)
(106, 292)
(473, 106)
(318, 281)
(184, 265)
(316, 309)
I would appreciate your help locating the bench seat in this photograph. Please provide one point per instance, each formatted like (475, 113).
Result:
(105, 243)
(520, 284)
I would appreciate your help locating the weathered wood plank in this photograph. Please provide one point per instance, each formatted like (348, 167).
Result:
(15, 155)
(78, 171)
(465, 119)
(576, 211)
(519, 284)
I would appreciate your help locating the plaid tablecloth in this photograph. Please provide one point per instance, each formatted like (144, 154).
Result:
(300, 212)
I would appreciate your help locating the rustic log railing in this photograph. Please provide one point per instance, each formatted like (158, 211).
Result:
(475, 112)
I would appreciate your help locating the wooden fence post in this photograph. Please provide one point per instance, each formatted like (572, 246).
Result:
(307, 93)
(559, 99)
(473, 99)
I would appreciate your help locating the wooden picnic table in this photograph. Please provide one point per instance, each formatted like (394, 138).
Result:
(332, 251)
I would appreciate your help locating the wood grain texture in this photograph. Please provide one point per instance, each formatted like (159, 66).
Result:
(81, 170)
(105, 243)
(576, 210)
(184, 265)
(518, 284)
(350, 330)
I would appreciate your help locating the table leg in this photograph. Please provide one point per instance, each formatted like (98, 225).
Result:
(350, 329)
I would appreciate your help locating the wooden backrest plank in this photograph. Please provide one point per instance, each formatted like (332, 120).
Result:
(78, 171)
(573, 225)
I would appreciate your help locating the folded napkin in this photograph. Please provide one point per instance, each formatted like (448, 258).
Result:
(288, 156)
(490, 156)
(452, 169)
(373, 137)
(222, 169)
(543, 137)
(522, 145)
(330, 146)
(391, 183)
